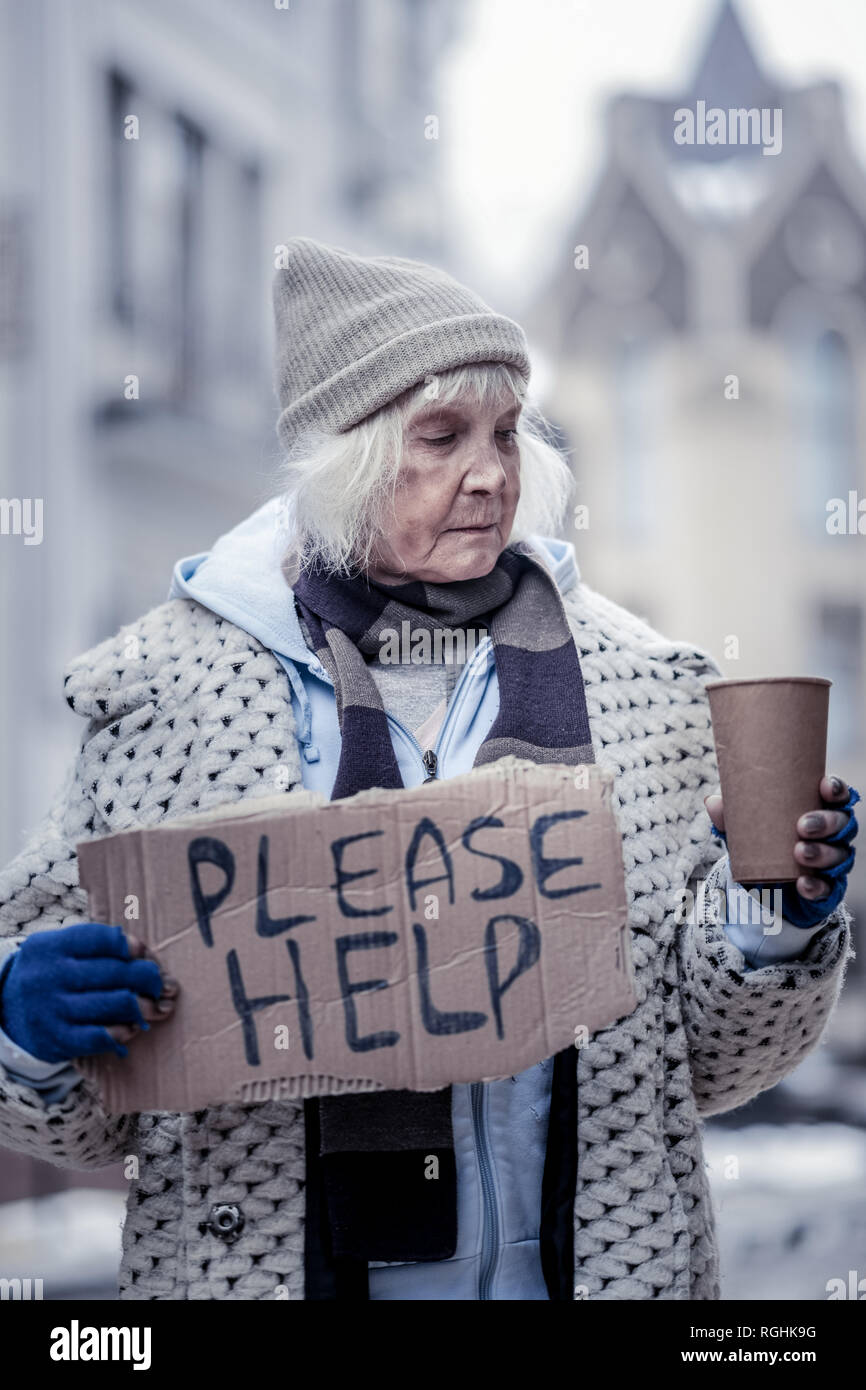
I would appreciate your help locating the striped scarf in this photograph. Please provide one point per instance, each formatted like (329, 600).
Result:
(366, 1196)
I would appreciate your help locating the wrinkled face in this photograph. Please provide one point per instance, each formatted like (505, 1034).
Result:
(456, 495)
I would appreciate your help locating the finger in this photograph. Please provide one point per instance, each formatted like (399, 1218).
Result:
(812, 888)
(141, 951)
(87, 939)
(151, 1012)
(814, 855)
(145, 978)
(106, 1006)
(834, 789)
(92, 1040)
(123, 1032)
(715, 810)
(138, 949)
(138, 976)
(817, 824)
(156, 1010)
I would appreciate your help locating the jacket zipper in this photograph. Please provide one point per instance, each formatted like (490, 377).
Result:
(477, 1092)
(478, 1100)
(490, 1227)
(478, 1104)
(430, 756)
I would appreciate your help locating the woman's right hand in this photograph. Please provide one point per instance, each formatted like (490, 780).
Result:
(81, 990)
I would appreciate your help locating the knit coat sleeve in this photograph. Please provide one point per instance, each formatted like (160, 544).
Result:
(746, 1029)
(167, 702)
(39, 891)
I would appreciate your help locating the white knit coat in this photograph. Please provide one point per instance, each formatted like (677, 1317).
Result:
(185, 710)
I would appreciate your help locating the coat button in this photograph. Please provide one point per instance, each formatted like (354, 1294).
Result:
(226, 1220)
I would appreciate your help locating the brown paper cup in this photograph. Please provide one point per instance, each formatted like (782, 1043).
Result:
(771, 747)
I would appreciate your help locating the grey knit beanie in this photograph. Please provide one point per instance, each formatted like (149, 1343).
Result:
(354, 332)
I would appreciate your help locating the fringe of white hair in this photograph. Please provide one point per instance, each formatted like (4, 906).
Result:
(336, 489)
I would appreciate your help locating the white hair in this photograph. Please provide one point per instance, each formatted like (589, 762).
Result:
(336, 489)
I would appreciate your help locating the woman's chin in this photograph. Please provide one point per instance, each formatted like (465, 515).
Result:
(471, 567)
(473, 556)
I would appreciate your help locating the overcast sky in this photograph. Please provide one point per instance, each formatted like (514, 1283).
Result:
(525, 85)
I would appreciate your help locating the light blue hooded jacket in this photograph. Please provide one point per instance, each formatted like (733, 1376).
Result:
(500, 1128)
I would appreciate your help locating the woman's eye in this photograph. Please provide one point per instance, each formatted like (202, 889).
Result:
(442, 439)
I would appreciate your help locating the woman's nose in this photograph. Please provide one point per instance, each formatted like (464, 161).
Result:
(485, 472)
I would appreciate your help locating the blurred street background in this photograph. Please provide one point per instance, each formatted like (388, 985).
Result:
(696, 309)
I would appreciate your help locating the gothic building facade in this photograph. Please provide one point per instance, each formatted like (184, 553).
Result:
(707, 325)
(152, 160)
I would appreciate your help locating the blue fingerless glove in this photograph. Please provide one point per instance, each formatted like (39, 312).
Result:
(808, 912)
(61, 990)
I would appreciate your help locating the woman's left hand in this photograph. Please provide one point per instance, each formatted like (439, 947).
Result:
(825, 844)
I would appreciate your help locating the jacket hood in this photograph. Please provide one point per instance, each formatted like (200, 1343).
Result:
(240, 579)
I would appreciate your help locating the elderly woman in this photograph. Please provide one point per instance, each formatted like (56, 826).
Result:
(420, 488)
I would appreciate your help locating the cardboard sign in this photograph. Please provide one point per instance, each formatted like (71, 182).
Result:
(458, 931)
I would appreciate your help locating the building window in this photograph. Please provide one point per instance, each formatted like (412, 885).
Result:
(152, 185)
(636, 425)
(825, 428)
(120, 105)
(185, 251)
(188, 270)
(228, 260)
(837, 647)
(349, 55)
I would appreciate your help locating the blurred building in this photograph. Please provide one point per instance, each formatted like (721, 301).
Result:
(152, 160)
(708, 328)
